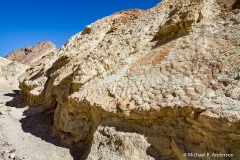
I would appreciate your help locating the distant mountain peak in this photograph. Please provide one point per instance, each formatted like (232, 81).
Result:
(31, 54)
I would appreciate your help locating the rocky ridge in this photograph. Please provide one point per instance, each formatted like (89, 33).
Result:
(151, 84)
(31, 54)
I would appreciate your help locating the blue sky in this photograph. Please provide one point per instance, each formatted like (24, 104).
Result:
(26, 22)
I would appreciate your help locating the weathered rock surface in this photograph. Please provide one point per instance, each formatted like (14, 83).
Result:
(31, 54)
(147, 84)
(9, 73)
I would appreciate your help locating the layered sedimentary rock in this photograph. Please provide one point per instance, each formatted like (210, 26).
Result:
(147, 84)
(31, 54)
(9, 73)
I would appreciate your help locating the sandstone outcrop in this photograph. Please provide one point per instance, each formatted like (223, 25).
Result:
(151, 84)
(31, 54)
(9, 73)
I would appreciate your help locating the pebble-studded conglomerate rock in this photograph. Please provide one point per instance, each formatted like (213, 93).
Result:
(147, 84)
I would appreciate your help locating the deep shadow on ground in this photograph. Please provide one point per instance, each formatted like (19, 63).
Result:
(13, 94)
(39, 122)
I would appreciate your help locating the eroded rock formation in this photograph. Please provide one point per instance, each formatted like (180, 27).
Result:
(147, 84)
(31, 54)
(9, 73)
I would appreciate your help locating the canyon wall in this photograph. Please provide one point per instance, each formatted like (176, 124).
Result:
(147, 84)
(9, 73)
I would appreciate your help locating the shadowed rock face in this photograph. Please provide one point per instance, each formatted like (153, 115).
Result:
(147, 84)
(31, 54)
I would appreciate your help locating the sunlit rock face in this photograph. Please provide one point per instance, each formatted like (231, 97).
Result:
(9, 73)
(147, 84)
(31, 54)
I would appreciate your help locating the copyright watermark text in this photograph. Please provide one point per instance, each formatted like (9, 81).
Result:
(199, 155)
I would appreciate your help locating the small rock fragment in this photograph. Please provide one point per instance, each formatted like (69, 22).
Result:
(12, 151)
(12, 156)
(17, 158)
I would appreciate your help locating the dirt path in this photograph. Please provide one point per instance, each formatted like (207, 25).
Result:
(24, 133)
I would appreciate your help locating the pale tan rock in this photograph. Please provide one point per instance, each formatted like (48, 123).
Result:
(9, 73)
(111, 144)
(168, 76)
